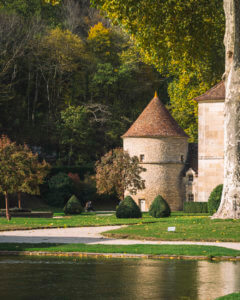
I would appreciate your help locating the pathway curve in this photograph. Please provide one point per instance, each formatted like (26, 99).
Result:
(89, 235)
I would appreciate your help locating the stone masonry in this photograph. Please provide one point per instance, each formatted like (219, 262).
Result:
(161, 146)
(210, 140)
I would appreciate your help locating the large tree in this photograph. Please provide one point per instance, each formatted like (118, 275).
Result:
(177, 26)
(230, 202)
(20, 171)
(182, 39)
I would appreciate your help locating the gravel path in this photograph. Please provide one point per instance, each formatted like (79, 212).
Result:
(89, 235)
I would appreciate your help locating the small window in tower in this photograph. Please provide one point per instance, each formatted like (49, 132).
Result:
(141, 157)
(190, 198)
(182, 158)
(190, 178)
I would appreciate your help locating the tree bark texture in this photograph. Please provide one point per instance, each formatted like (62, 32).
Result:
(230, 202)
(8, 216)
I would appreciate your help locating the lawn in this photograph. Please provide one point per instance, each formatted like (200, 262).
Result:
(188, 228)
(234, 296)
(85, 219)
(179, 250)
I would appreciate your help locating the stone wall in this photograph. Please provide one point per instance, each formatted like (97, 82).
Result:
(157, 150)
(210, 147)
(164, 160)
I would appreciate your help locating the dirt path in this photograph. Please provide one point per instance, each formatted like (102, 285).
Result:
(89, 235)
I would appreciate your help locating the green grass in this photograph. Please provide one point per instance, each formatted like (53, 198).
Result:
(85, 219)
(188, 227)
(194, 228)
(234, 296)
(189, 250)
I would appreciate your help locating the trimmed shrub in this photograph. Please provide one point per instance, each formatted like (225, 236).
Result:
(215, 199)
(128, 209)
(73, 206)
(195, 207)
(159, 208)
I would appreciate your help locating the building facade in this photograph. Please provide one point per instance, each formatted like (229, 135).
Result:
(210, 141)
(176, 170)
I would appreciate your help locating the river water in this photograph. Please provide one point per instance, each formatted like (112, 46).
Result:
(130, 279)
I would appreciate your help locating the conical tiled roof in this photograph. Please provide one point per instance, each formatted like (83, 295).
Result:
(215, 93)
(155, 121)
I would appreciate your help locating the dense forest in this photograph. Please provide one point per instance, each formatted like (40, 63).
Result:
(73, 81)
(70, 82)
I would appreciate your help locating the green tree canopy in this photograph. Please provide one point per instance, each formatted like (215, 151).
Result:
(20, 170)
(183, 39)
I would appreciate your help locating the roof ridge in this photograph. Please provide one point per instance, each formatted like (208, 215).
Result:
(214, 93)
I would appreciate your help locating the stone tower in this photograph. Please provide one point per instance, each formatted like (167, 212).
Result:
(161, 146)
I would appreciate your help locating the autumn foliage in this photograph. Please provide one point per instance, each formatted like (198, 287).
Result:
(20, 170)
(117, 172)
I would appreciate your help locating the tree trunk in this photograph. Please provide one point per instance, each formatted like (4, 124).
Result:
(8, 216)
(230, 202)
(19, 199)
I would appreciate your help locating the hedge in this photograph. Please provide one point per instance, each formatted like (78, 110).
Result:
(195, 207)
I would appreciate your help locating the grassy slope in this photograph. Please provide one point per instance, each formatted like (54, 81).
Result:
(192, 250)
(187, 228)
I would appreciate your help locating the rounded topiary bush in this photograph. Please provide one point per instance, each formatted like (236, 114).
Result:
(128, 209)
(159, 208)
(215, 199)
(73, 206)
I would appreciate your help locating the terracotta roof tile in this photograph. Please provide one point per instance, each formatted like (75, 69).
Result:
(215, 93)
(155, 120)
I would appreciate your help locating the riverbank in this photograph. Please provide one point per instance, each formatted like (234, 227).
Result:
(122, 251)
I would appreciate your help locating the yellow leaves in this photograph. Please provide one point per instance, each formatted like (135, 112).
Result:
(53, 2)
(63, 46)
(98, 30)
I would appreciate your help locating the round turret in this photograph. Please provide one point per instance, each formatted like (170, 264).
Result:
(161, 146)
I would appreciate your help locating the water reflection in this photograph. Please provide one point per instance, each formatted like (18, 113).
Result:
(217, 278)
(58, 278)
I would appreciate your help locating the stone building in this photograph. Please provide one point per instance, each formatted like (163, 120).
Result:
(161, 146)
(210, 141)
(175, 169)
